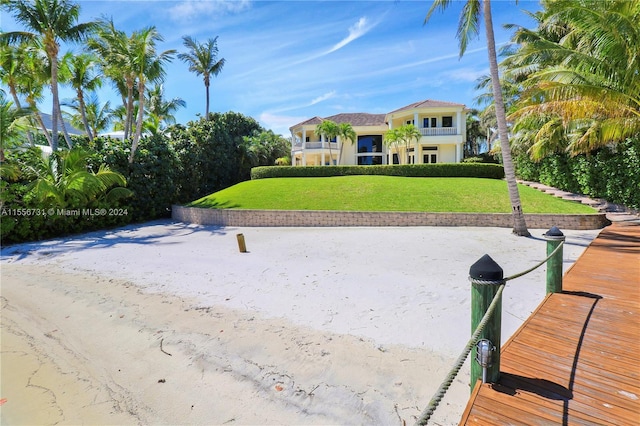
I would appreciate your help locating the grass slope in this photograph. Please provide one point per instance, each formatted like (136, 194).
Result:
(384, 193)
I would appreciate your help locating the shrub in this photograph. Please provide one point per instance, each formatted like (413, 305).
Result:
(479, 170)
(612, 173)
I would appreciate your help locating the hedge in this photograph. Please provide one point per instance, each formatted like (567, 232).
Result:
(611, 173)
(479, 170)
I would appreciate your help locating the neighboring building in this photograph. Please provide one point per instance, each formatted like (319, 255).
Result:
(442, 125)
(48, 124)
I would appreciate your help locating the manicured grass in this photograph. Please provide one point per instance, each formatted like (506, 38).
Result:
(384, 193)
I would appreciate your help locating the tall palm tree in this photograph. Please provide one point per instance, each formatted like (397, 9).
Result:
(149, 66)
(162, 109)
(51, 22)
(329, 130)
(203, 60)
(582, 76)
(112, 46)
(468, 26)
(346, 133)
(82, 76)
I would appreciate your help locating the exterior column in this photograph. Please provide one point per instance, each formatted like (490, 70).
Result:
(415, 119)
(304, 147)
(322, 155)
(457, 153)
(459, 122)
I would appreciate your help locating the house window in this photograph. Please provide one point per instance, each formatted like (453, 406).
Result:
(429, 122)
(369, 160)
(430, 154)
(369, 150)
(369, 143)
(307, 139)
(447, 121)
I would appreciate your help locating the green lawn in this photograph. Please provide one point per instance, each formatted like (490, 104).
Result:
(384, 193)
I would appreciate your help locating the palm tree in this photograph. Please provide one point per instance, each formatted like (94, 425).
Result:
(468, 27)
(149, 66)
(64, 180)
(82, 77)
(12, 124)
(159, 108)
(98, 116)
(12, 72)
(203, 60)
(408, 134)
(392, 138)
(346, 133)
(51, 22)
(581, 74)
(401, 137)
(329, 130)
(112, 46)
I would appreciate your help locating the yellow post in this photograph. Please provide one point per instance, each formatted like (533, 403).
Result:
(241, 245)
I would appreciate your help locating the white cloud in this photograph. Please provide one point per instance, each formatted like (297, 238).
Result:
(324, 97)
(194, 8)
(356, 31)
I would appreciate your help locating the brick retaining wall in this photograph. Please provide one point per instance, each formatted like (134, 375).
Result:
(273, 218)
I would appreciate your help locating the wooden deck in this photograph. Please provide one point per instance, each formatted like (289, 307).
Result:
(576, 360)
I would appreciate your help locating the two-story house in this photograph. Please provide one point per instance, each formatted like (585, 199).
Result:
(441, 124)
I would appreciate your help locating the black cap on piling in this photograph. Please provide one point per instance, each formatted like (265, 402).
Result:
(486, 269)
(554, 232)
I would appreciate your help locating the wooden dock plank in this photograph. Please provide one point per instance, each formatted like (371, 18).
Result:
(576, 360)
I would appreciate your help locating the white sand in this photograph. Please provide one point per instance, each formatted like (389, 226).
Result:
(311, 326)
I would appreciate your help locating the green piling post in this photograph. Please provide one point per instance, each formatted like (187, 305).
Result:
(486, 276)
(554, 265)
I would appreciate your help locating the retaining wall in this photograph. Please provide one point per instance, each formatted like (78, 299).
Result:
(309, 218)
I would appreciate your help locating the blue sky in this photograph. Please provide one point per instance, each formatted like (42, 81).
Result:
(287, 61)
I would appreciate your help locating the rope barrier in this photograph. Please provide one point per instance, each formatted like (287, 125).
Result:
(513, 277)
(442, 390)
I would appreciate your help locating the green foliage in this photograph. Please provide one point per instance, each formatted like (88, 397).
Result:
(482, 158)
(58, 195)
(609, 173)
(492, 171)
(208, 152)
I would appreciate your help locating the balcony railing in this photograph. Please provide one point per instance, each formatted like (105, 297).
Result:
(320, 145)
(438, 131)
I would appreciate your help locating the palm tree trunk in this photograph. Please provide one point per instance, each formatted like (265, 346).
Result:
(206, 86)
(519, 224)
(55, 113)
(129, 113)
(83, 114)
(136, 136)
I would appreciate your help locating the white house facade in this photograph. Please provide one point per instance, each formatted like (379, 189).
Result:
(441, 124)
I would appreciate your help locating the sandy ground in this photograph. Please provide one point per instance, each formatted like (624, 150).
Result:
(167, 323)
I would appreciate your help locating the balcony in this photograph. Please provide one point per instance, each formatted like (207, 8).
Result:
(320, 145)
(438, 131)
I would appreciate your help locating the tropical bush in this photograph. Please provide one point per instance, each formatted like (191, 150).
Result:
(208, 152)
(59, 194)
(612, 173)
